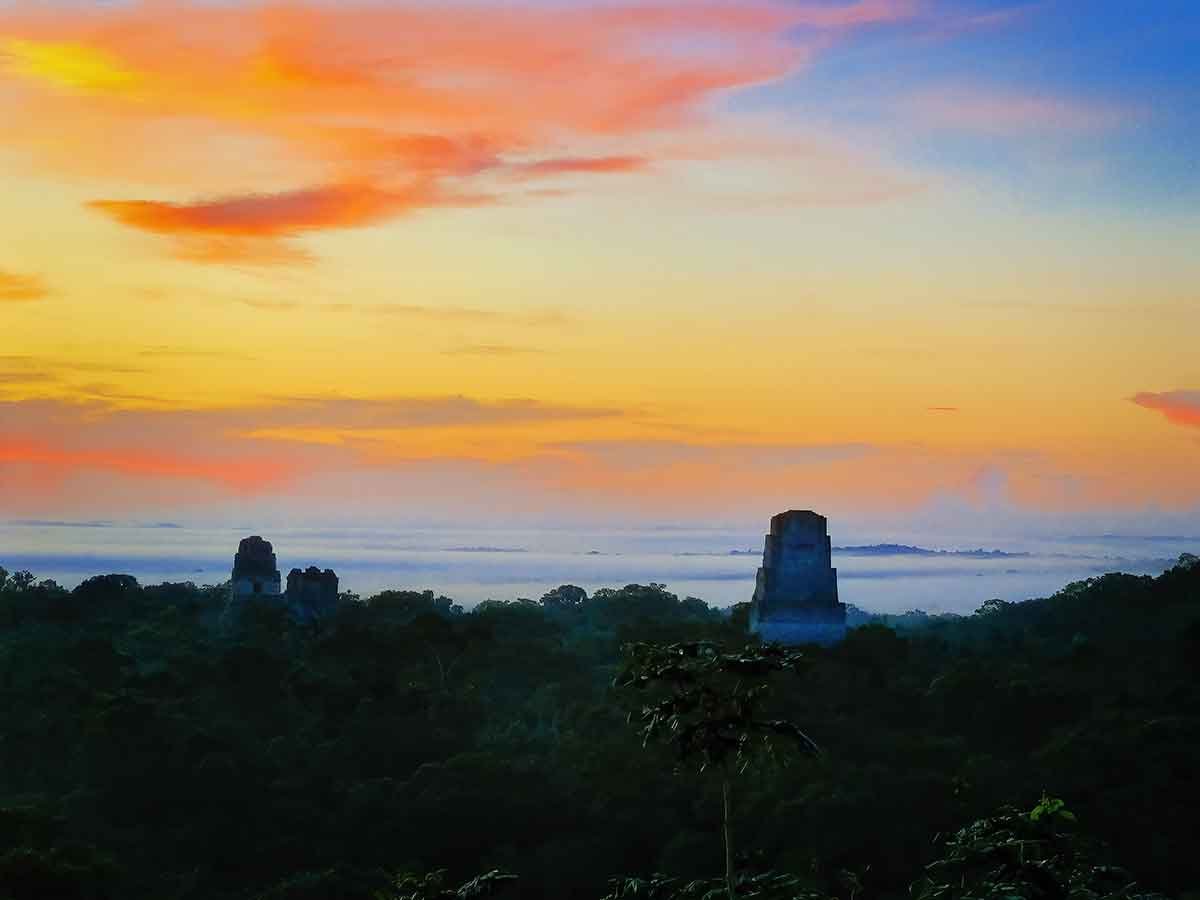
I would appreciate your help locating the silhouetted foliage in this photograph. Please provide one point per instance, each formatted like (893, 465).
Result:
(710, 711)
(148, 753)
(1038, 855)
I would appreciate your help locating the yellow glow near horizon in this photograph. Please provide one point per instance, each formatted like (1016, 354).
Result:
(68, 65)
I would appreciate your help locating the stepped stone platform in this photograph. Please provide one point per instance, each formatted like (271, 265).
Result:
(795, 594)
(255, 573)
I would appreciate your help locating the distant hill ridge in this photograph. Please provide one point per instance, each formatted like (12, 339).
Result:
(889, 550)
(908, 550)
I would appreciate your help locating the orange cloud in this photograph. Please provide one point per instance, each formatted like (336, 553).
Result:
(1179, 407)
(250, 230)
(547, 455)
(386, 107)
(15, 288)
(458, 155)
(575, 165)
(246, 475)
(278, 215)
(247, 251)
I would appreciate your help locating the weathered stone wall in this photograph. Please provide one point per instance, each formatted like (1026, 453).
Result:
(311, 593)
(255, 581)
(254, 569)
(795, 633)
(795, 593)
(248, 586)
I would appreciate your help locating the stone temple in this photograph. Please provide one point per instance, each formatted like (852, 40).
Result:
(795, 594)
(254, 571)
(311, 593)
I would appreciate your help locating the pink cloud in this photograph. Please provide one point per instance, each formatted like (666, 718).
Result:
(727, 18)
(865, 12)
(953, 24)
(1011, 113)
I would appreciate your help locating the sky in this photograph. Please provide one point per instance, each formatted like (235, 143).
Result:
(894, 260)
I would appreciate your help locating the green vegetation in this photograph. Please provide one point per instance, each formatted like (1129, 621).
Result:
(405, 747)
(709, 712)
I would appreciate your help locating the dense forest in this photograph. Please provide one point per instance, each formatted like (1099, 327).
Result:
(405, 747)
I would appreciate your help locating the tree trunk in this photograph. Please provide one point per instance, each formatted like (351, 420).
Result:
(729, 877)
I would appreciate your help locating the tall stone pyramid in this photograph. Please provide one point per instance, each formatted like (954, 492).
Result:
(795, 594)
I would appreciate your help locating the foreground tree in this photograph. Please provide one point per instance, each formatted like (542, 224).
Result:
(432, 886)
(706, 704)
(770, 886)
(1035, 855)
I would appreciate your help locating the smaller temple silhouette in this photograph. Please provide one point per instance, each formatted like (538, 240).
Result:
(311, 594)
(795, 593)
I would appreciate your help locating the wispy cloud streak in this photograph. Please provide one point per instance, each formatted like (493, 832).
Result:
(1178, 407)
(279, 215)
(18, 288)
(381, 110)
(1003, 113)
(239, 474)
